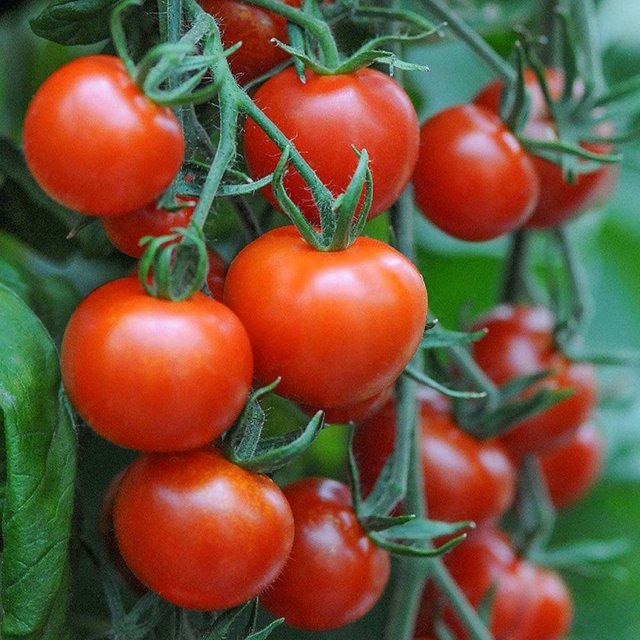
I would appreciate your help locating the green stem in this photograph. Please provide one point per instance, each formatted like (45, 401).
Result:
(472, 39)
(586, 23)
(513, 280)
(315, 26)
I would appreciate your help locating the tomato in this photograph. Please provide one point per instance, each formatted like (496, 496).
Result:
(126, 231)
(559, 200)
(530, 602)
(155, 375)
(95, 143)
(464, 478)
(572, 468)
(338, 327)
(356, 411)
(520, 342)
(255, 28)
(199, 531)
(326, 117)
(335, 573)
(472, 179)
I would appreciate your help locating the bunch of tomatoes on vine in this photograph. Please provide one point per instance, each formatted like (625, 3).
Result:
(291, 121)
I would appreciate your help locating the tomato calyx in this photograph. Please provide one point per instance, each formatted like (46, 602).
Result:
(244, 445)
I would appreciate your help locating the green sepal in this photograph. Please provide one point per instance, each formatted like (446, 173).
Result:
(428, 381)
(439, 338)
(418, 550)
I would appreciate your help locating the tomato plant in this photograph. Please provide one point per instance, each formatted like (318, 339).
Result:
(331, 553)
(234, 528)
(255, 28)
(465, 478)
(95, 143)
(163, 375)
(309, 312)
(334, 115)
(472, 179)
(520, 342)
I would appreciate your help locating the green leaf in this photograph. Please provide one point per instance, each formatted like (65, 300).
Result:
(39, 471)
(74, 21)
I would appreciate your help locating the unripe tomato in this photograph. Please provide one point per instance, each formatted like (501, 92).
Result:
(335, 573)
(95, 143)
(325, 118)
(152, 374)
(520, 342)
(337, 327)
(472, 179)
(199, 531)
(464, 478)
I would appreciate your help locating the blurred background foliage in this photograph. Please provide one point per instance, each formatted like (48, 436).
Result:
(52, 273)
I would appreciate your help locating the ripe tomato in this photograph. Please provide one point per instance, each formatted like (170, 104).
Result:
(464, 478)
(126, 231)
(335, 573)
(152, 374)
(338, 327)
(530, 602)
(559, 200)
(356, 411)
(255, 28)
(326, 117)
(572, 468)
(95, 143)
(200, 531)
(520, 342)
(472, 179)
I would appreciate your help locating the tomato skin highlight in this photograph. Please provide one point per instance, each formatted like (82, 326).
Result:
(335, 574)
(572, 468)
(199, 531)
(472, 179)
(520, 342)
(95, 143)
(309, 313)
(464, 478)
(254, 27)
(324, 118)
(155, 375)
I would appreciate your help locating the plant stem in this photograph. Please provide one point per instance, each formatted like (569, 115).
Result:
(587, 34)
(513, 280)
(473, 40)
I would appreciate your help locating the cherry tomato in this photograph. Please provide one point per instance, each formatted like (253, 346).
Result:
(354, 412)
(338, 327)
(95, 143)
(335, 573)
(200, 531)
(520, 342)
(559, 200)
(255, 28)
(571, 469)
(530, 602)
(152, 374)
(472, 179)
(464, 478)
(326, 117)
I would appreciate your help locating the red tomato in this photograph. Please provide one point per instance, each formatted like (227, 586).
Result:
(338, 327)
(473, 180)
(326, 117)
(356, 411)
(571, 469)
(126, 231)
(255, 28)
(559, 200)
(464, 478)
(95, 143)
(200, 531)
(530, 602)
(335, 573)
(152, 374)
(520, 342)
